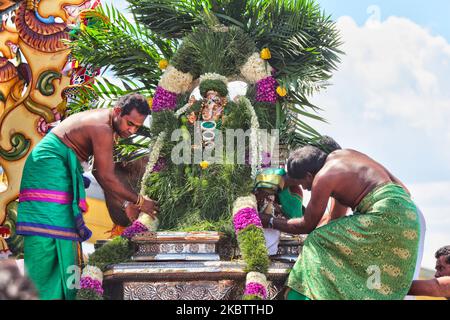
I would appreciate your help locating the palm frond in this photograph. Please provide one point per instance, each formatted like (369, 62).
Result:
(171, 19)
(127, 50)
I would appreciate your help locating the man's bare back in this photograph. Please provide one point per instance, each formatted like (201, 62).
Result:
(345, 175)
(79, 131)
(352, 175)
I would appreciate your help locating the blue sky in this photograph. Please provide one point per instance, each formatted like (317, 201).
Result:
(431, 14)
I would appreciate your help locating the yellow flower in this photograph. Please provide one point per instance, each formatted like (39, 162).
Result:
(282, 92)
(163, 64)
(265, 54)
(204, 165)
(82, 26)
(150, 103)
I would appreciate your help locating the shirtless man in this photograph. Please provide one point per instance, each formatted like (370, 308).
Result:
(94, 133)
(440, 285)
(52, 195)
(380, 239)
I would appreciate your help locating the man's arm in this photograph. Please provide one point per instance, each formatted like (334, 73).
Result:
(337, 211)
(104, 167)
(315, 210)
(439, 287)
(104, 173)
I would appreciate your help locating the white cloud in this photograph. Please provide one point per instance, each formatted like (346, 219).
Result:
(391, 96)
(433, 200)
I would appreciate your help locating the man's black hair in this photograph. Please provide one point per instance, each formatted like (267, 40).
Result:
(133, 101)
(328, 144)
(444, 252)
(307, 159)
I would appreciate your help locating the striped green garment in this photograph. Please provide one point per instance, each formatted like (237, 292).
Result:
(52, 201)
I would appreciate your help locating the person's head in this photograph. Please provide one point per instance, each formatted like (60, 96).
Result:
(13, 285)
(443, 262)
(130, 113)
(328, 144)
(303, 165)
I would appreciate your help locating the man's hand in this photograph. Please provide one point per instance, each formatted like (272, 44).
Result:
(278, 212)
(150, 207)
(132, 211)
(265, 219)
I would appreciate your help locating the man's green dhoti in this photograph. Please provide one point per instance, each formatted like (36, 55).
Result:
(51, 202)
(369, 255)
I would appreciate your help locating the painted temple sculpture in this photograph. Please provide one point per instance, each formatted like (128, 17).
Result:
(35, 68)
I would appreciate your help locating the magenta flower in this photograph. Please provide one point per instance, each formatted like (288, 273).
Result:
(266, 90)
(246, 217)
(257, 289)
(164, 100)
(92, 284)
(266, 160)
(134, 229)
(160, 165)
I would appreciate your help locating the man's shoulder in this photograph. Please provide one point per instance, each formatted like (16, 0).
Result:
(100, 131)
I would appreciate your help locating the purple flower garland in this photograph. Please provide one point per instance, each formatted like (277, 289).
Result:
(91, 284)
(266, 160)
(246, 217)
(134, 229)
(243, 219)
(164, 100)
(266, 90)
(256, 289)
(87, 283)
(160, 165)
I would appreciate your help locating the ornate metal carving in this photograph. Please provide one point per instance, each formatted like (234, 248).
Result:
(176, 246)
(177, 269)
(187, 280)
(172, 248)
(199, 290)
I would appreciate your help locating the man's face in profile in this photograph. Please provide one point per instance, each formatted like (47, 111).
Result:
(442, 267)
(305, 183)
